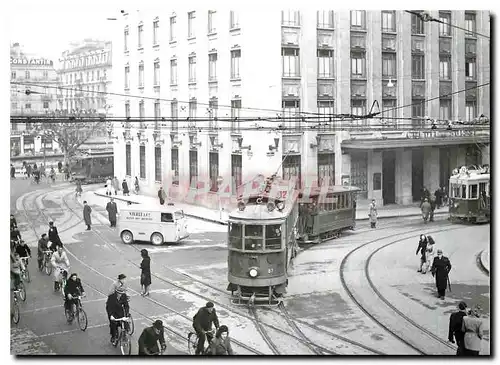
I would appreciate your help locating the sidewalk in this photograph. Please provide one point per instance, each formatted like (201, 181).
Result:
(215, 216)
(484, 258)
(24, 342)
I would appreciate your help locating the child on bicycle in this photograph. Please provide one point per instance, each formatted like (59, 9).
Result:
(221, 344)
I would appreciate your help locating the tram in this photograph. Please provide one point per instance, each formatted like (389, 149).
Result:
(95, 168)
(326, 212)
(261, 243)
(470, 194)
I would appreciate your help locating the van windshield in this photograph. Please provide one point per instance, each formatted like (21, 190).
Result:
(179, 215)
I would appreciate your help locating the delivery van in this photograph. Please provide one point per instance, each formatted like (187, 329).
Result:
(156, 224)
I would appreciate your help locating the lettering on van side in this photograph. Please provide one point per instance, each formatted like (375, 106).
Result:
(139, 216)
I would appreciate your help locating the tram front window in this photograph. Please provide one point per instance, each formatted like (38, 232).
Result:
(235, 235)
(273, 237)
(253, 237)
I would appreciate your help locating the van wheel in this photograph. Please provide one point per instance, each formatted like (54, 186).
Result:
(157, 239)
(127, 237)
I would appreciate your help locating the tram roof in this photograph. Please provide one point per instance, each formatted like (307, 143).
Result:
(470, 178)
(260, 212)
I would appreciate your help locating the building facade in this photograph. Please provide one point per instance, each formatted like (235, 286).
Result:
(283, 82)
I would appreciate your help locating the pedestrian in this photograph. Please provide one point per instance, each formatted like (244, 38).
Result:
(125, 188)
(79, 189)
(116, 185)
(119, 284)
(112, 211)
(145, 272)
(444, 197)
(472, 325)
(455, 328)
(433, 207)
(441, 266)
(136, 185)
(52, 174)
(161, 195)
(12, 171)
(149, 338)
(373, 214)
(54, 235)
(86, 215)
(35, 167)
(422, 248)
(28, 170)
(426, 209)
(59, 166)
(430, 251)
(439, 198)
(221, 344)
(109, 186)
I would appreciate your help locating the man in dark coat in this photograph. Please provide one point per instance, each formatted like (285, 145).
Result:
(422, 248)
(86, 215)
(433, 207)
(116, 308)
(441, 266)
(439, 198)
(12, 172)
(125, 188)
(59, 166)
(455, 328)
(54, 235)
(112, 211)
(161, 195)
(148, 341)
(202, 322)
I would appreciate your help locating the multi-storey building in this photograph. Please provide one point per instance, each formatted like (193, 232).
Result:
(33, 89)
(296, 65)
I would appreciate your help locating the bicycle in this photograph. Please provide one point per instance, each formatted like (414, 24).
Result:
(25, 273)
(46, 264)
(15, 313)
(193, 339)
(77, 310)
(62, 281)
(123, 336)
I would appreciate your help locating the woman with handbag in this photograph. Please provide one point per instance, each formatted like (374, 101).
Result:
(145, 272)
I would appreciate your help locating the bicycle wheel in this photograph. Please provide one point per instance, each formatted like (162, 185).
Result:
(192, 343)
(131, 325)
(22, 291)
(48, 268)
(26, 275)
(82, 319)
(69, 315)
(16, 315)
(125, 344)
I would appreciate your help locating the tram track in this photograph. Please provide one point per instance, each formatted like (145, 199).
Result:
(362, 293)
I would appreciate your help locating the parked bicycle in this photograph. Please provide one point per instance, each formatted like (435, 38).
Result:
(77, 311)
(124, 335)
(193, 339)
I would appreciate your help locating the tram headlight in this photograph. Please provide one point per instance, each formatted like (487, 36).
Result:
(455, 205)
(253, 272)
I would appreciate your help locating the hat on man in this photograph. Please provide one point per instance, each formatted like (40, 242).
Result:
(158, 324)
(121, 276)
(462, 306)
(439, 251)
(209, 305)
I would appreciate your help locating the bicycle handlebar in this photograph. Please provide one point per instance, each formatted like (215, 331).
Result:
(123, 319)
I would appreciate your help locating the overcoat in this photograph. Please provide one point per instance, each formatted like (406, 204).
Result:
(86, 215)
(440, 268)
(54, 236)
(112, 210)
(125, 187)
(116, 184)
(146, 271)
(373, 213)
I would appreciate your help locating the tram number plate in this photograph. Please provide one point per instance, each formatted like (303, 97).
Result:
(282, 194)
(270, 270)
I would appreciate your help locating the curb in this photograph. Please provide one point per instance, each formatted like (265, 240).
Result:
(482, 261)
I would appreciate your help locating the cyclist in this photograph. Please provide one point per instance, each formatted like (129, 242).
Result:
(221, 344)
(43, 243)
(116, 307)
(15, 235)
(60, 262)
(148, 341)
(15, 269)
(24, 252)
(13, 222)
(202, 323)
(120, 283)
(54, 235)
(72, 289)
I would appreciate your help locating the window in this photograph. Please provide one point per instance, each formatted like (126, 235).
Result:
(236, 172)
(235, 63)
(254, 237)
(444, 26)
(234, 20)
(127, 110)
(388, 21)
(291, 169)
(27, 75)
(192, 108)
(213, 106)
(175, 165)
(473, 191)
(212, 67)
(444, 67)
(158, 164)
(191, 18)
(358, 64)
(140, 30)
(470, 110)
(27, 106)
(156, 32)
(166, 217)
(291, 62)
(173, 72)
(291, 108)
(326, 169)
(141, 75)
(358, 19)
(417, 25)
(172, 28)
(390, 112)
(141, 114)
(128, 165)
(470, 68)
(156, 75)
(174, 114)
(325, 19)
(13, 74)
(127, 79)
(235, 113)
(417, 67)
(273, 237)
(389, 65)
(211, 21)
(358, 107)
(325, 108)
(125, 40)
(157, 111)
(213, 161)
(193, 168)
(470, 24)
(325, 63)
(235, 235)
(290, 17)
(142, 162)
(444, 109)
(45, 74)
(192, 69)
(418, 108)
(45, 104)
